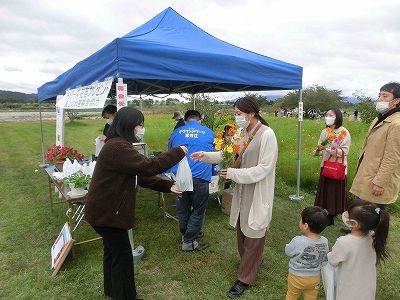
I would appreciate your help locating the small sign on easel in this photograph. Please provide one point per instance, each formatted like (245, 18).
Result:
(61, 248)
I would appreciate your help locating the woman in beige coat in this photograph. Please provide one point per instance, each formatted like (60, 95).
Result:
(252, 202)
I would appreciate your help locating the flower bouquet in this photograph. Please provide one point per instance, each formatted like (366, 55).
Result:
(331, 139)
(227, 141)
(57, 155)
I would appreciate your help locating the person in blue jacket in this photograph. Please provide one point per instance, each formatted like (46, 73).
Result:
(191, 206)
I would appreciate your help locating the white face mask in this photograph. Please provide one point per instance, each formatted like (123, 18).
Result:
(109, 121)
(140, 133)
(381, 106)
(330, 121)
(241, 121)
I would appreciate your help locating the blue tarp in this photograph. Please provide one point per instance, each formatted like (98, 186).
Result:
(169, 54)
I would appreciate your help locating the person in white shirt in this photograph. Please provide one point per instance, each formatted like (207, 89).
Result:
(254, 175)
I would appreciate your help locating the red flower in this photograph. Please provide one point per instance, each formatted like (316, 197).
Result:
(59, 154)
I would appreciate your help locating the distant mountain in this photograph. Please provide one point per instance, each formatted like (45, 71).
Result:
(274, 97)
(352, 100)
(10, 96)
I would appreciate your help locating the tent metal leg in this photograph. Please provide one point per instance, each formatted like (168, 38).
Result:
(41, 135)
(297, 197)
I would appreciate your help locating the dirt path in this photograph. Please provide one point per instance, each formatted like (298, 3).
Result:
(18, 116)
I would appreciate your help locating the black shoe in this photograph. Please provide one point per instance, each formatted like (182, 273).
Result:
(198, 248)
(331, 219)
(345, 230)
(237, 289)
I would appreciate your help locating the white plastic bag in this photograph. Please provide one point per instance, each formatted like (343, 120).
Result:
(184, 180)
(329, 281)
(99, 146)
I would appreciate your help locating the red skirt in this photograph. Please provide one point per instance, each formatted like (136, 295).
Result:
(332, 195)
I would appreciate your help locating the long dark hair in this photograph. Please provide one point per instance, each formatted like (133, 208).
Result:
(339, 116)
(249, 105)
(125, 121)
(371, 217)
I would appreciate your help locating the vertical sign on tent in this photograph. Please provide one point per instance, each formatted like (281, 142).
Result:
(297, 197)
(60, 121)
(122, 94)
(300, 118)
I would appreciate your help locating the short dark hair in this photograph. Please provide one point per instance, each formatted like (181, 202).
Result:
(109, 109)
(192, 114)
(339, 116)
(125, 121)
(392, 87)
(315, 217)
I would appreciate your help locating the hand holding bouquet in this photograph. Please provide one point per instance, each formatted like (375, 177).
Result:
(331, 139)
(227, 141)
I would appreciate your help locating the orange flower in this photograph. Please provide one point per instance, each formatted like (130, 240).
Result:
(231, 131)
(328, 129)
(236, 148)
(331, 137)
(245, 144)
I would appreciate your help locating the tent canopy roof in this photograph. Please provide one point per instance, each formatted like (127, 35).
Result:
(169, 54)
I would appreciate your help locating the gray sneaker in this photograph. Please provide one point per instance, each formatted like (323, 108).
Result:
(194, 246)
(199, 236)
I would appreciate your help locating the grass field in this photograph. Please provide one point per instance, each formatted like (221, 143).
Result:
(28, 228)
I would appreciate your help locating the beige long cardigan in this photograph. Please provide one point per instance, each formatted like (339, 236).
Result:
(263, 175)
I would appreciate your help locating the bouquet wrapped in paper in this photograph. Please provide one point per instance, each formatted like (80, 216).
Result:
(228, 142)
(331, 140)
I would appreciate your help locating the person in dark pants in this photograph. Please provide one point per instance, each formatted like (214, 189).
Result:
(110, 203)
(191, 206)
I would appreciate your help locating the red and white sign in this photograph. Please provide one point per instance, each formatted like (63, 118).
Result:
(122, 95)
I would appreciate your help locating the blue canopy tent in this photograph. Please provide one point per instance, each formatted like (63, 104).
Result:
(169, 54)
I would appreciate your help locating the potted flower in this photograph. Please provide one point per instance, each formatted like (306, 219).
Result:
(57, 155)
(77, 182)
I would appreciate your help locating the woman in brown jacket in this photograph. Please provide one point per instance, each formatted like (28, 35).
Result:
(110, 203)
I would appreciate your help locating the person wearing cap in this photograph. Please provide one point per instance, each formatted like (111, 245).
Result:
(179, 118)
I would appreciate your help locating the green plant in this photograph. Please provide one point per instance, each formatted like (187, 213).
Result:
(78, 179)
(366, 107)
(161, 275)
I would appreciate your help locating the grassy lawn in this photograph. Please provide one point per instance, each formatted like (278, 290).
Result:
(28, 228)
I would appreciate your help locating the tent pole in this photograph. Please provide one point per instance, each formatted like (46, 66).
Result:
(140, 101)
(297, 197)
(41, 136)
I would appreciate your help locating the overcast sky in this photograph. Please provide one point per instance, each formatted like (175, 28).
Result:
(346, 45)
